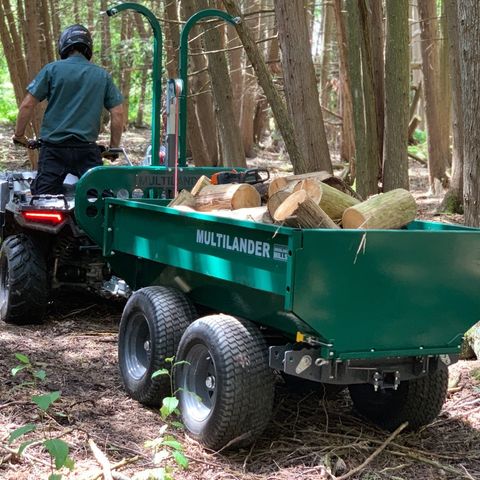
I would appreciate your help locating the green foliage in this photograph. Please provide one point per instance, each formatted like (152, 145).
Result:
(420, 136)
(167, 446)
(30, 427)
(420, 148)
(476, 374)
(8, 105)
(45, 401)
(57, 448)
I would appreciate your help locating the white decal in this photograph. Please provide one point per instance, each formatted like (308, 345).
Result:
(236, 244)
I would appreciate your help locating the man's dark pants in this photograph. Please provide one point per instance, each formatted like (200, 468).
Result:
(58, 160)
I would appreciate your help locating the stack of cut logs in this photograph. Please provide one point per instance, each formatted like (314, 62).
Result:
(312, 200)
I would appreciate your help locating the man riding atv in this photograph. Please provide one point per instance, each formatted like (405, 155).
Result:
(77, 91)
(42, 248)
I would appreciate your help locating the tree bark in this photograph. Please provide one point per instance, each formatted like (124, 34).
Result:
(377, 40)
(229, 132)
(364, 103)
(328, 34)
(301, 86)
(393, 209)
(265, 80)
(453, 200)
(469, 35)
(347, 145)
(437, 143)
(249, 89)
(200, 106)
(397, 82)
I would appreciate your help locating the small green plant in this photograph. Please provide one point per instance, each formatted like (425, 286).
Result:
(57, 448)
(167, 445)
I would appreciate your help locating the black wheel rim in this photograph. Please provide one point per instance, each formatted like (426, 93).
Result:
(4, 284)
(199, 383)
(138, 349)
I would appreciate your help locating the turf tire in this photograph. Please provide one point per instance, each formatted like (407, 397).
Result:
(238, 408)
(152, 324)
(417, 401)
(23, 281)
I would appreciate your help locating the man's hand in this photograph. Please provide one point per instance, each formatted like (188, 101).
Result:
(21, 140)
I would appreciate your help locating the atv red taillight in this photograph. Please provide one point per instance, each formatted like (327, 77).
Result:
(44, 217)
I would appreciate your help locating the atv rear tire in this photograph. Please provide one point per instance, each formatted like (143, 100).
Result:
(417, 401)
(152, 324)
(23, 281)
(224, 383)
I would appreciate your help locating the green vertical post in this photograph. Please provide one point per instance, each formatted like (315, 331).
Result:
(210, 12)
(156, 73)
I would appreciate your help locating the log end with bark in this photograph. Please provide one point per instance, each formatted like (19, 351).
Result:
(390, 210)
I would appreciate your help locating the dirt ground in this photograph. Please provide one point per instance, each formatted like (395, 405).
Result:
(308, 437)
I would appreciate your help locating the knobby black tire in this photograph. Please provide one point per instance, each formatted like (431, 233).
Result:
(166, 313)
(244, 381)
(24, 289)
(417, 401)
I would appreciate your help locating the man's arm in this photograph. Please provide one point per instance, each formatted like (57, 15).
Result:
(25, 114)
(116, 125)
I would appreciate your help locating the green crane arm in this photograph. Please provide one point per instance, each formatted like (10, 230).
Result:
(157, 70)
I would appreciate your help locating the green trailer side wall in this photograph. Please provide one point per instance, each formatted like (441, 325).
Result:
(399, 290)
(369, 294)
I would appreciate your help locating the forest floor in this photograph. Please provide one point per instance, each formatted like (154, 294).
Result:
(308, 437)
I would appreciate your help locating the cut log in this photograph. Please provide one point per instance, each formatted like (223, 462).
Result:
(230, 196)
(289, 182)
(202, 182)
(340, 184)
(183, 198)
(393, 209)
(300, 208)
(255, 214)
(275, 201)
(262, 189)
(331, 200)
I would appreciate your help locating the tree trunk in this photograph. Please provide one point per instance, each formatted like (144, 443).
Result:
(56, 20)
(230, 138)
(106, 44)
(347, 145)
(445, 83)
(202, 115)
(328, 34)
(249, 90)
(364, 103)
(397, 81)
(437, 145)
(301, 86)
(374, 21)
(126, 60)
(453, 200)
(469, 34)
(236, 71)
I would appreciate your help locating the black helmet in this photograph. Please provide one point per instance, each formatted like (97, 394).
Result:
(75, 36)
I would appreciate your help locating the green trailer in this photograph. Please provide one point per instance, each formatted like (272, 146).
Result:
(380, 311)
(236, 302)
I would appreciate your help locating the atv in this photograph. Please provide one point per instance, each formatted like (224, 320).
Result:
(43, 250)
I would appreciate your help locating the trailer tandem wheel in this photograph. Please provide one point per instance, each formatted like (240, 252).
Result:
(225, 385)
(152, 324)
(416, 401)
(23, 281)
